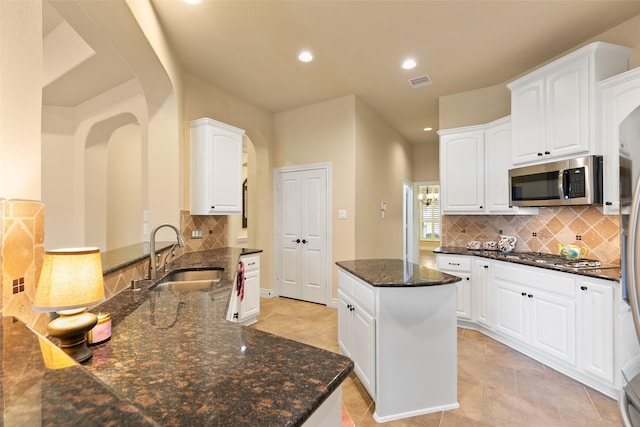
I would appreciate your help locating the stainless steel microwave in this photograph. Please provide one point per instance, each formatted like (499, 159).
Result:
(575, 181)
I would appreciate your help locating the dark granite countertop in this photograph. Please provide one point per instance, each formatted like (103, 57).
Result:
(172, 360)
(395, 273)
(174, 356)
(603, 273)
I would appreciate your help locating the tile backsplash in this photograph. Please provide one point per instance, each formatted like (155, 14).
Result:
(580, 225)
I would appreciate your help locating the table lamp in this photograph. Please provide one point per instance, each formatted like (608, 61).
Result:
(70, 281)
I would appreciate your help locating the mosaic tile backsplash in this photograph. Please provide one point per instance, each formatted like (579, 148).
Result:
(579, 225)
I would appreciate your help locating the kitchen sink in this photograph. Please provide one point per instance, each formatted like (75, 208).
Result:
(189, 280)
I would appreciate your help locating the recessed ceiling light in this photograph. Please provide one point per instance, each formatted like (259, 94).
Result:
(409, 64)
(305, 56)
(427, 129)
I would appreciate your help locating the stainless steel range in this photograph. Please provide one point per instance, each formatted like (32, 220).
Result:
(556, 261)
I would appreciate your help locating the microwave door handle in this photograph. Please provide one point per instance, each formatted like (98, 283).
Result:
(565, 188)
(561, 185)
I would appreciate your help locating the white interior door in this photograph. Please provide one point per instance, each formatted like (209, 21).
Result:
(302, 270)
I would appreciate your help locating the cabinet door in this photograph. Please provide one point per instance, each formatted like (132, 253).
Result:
(553, 327)
(250, 304)
(481, 280)
(462, 171)
(463, 301)
(567, 104)
(620, 96)
(498, 162)
(511, 310)
(595, 317)
(527, 117)
(216, 168)
(345, 324)
(364, 349)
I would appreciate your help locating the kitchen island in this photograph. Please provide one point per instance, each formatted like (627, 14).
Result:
(397, 321)
(173, 360)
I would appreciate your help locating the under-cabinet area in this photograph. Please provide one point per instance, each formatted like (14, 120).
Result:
(576, 324)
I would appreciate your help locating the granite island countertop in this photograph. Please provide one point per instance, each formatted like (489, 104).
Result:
(600, 273)
(173, 360)
(395, 273)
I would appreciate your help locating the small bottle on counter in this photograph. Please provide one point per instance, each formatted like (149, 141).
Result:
(102, 331)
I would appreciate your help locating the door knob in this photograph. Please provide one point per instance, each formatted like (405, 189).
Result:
(304, 241)
(296, 241)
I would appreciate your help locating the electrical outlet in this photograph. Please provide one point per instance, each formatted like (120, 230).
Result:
(196, 234)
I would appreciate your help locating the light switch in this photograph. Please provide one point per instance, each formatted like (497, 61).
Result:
(342, 214)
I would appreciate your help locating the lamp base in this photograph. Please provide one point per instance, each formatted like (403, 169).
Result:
(71, 330)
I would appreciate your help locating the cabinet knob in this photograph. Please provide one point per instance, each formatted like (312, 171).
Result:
(349, 306)
(530, 296)
(608, 203)
(213, 207)
(468, 278)
(352, 308)
(524, 294)
(583, 288)
(296, 241)
(547, 152)
(480, 207)
(485, 266)
(540, 154)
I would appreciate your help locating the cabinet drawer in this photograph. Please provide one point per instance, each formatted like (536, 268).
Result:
(345, 283)
(364, 296)
(533, 277)
(251, 262)
(454, 263)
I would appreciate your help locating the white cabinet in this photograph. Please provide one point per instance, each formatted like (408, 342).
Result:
(462, 170)
(474, 170)
(538, 309)
(620, 96)
(482, 292)
(460, 266)
(216, 168)
(244, 305)
(596, 328)
(403, 343)
(554, 109)
(357, 328)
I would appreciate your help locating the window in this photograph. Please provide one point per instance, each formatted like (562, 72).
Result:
(429, 211)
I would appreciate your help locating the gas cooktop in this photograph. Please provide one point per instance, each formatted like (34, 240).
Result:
(557, 261)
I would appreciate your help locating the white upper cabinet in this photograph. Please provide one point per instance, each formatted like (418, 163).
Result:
(555, 110)
(474, 170)
(620, 96)
(462, 170)
(216, 168)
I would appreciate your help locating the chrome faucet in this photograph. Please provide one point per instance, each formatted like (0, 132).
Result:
(153, 268)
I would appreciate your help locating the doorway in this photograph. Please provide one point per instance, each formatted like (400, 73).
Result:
(428, 223)
(302, 228)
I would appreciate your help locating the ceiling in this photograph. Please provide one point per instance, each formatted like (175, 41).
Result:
(250, 48)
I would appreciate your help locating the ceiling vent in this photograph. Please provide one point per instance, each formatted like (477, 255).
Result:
(421, 81)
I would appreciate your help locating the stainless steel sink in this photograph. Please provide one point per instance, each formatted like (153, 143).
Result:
(189, 280)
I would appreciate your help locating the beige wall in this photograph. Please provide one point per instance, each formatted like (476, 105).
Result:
(204, 100)
(324, 132)
(20, 98)
(383, 161)
(426, 162)
(474, 107)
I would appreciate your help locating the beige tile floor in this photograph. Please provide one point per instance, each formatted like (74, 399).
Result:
(497, 386)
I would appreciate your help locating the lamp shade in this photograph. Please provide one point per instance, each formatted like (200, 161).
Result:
(70, 279)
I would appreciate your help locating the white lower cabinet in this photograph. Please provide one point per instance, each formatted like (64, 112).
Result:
(596, 328)
(402, 340)
(570, 322)
(244, 306)
(459, 266)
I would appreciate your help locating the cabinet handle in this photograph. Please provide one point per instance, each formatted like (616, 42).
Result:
(524, 294)
(547, 152)
(540, 154)
(349, 306)
(608, 203)
(213, 207)
(530, 296)
(583, 288)
(352, 308)
(485, 266)
(454, 263)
